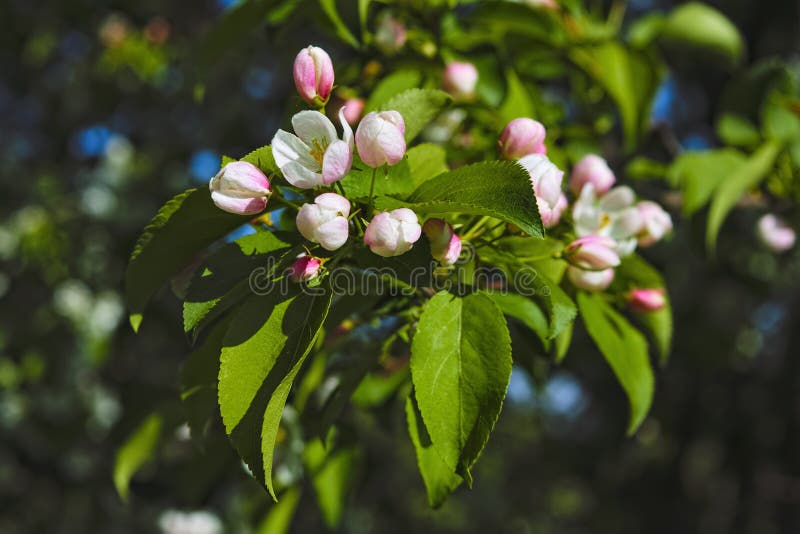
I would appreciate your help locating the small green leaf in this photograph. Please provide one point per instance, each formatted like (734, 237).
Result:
(137, 450)
(700, 173)
(517, 102)
(199, 377)
(392, 85)
(426, 161)
(263, 159)
(744, 178)
(635, 272)
(341, 29)
(279, 516)
(736, 130)
(263, 350)
(418, 107)
(701, 30)
(780, 122)
(524, 310)
(500, 189)
(630, 78)
(439, 480)
(234, 28)
(182, 227)
(625, 350)
(460, 367)
(332, 478)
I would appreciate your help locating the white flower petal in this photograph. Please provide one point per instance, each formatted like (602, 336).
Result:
(300, 176)
(312, 125)
(287, 147)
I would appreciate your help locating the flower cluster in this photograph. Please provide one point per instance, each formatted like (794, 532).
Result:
(606, 223)
(314, 156)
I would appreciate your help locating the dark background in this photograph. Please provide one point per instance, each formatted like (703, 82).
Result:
(95, 136)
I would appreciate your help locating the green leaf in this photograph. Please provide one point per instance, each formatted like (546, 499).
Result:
(562, 309)
(332, 478)
(700, 173)
(635, 272)
(137, 450)
(460, 367)
(500, 189)
(426, 161)
(630, 78)
(182, 227)
(625, 350)
(522, 251)
(439, 480)
(224, 278)
(563, 342)
(263, 350)
(263, 159)
(394, 180)
(744, 178)
(524, 310)
(234, 29)
(700, 30)
(418, 107)
(517, 102)
(780, 122)
(279, 517)
(199, 377)
(392, 85)
(341, 29)
(736, 130)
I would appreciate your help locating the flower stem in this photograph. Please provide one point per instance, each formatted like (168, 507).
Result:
(372, 190)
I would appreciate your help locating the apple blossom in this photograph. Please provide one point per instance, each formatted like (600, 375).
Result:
(379, 138)
(305, 268)
(353, 107)
(390, 35)
(656, 222)
(521, 137)
(645, 300)
(240, 188)
(314, 156)
(392, 233)
(613, 215)
(460, 79)
(592, 252)
(590, 280)
(551, 216)
(775, 234)
(545, 177)
(325, 221)
(592, 169)
(313, 75)
(445, 244)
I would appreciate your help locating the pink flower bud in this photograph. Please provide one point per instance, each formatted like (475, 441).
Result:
(546, 178)
(460, 79)
(305, 268)
(590, 280)
(775, 234)
(593, 253)
(592, 169)
(392, 233)
(551, 216)
(325, 221)
(240, 188)
(646, 300)
(656, 223)
(313, 75)
(521, 137)
(445, 244)
(379, 138)
(390, 35)
(353, 107)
